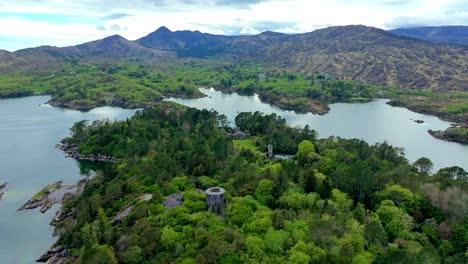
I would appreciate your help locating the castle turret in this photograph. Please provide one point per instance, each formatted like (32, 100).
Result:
(215, 200)
(270, 151)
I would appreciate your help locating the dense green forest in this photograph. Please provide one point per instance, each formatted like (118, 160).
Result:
(336, 201)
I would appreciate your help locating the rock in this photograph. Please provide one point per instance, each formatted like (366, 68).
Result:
(55, 255)
(121, 215)
(72, 152)
(60, 216)
(50, 195)
(173, 200)
(419, 121)
(443, 135)
(2, 192)
(146, 197)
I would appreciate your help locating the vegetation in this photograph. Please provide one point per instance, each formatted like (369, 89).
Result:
(337, 201)
(292, 90)
(456, 134)
(450, 105)
(132, 84)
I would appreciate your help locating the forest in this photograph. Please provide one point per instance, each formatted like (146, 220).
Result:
(336, 201)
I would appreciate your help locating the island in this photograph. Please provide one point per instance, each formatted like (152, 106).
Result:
(329, 196)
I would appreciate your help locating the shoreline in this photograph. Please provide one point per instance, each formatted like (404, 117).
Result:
(3, 189)
(71, 151)
(52, 194)
(438, 134)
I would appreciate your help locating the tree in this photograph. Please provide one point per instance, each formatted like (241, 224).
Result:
(264, 192)
(99, 254)
(424, 165)
(133, 255)
(305, 148)
(274, 240)
(255, 246)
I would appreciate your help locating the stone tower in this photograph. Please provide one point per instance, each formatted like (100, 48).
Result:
(270, 151)
(215, 200)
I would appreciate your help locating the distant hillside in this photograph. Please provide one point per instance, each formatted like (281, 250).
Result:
(359, 53)
(372, 56)
(456, 35)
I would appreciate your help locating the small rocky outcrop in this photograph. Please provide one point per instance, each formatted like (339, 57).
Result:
(419, 121)
(55, 255)
(86, 106)
(52, 194)
(122, 214)
(72, 152)
(60, 216)
(173, 200)
(2, 190)
(445, 135)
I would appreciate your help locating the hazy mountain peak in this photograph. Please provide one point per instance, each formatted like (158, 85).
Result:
(162, 29)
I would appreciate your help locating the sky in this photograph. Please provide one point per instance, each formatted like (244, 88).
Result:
(31, 23)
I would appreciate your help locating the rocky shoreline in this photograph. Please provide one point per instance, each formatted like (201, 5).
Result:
(54, 193)
(72, 152)
(2, 189)
(416, 109)
(88, 106)
(442, 135)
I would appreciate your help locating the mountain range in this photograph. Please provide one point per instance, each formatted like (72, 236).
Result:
(455, 35)
(366, 54)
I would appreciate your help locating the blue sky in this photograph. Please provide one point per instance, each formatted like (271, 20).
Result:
(30, 23)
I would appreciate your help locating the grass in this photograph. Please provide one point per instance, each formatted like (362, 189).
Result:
(248, 143)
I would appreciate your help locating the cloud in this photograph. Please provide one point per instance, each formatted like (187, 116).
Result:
(56, 22)
(444, 20)
(115, 16)
(248, 30)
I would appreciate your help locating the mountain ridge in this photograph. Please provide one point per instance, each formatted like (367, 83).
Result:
(453, 35)
(355, 52)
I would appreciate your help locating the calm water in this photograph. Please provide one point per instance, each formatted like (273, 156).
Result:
(374, 122)
(28, 162)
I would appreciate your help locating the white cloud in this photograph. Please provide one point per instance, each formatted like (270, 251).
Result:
(248, 30)
(134, 19)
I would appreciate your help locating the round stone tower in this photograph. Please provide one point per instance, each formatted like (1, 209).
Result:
(215, 200)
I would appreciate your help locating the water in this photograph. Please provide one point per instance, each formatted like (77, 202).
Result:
(373, 122)
(29, 161)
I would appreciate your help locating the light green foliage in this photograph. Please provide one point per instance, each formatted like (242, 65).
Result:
(363, 258)
(298, 230)
(305, 151)
(264, 192)
(255, 246)
(169, 237)
(275, 239)
(402, 197)
(241, 210)
(99, 254)
(394, 219)
(298, 257)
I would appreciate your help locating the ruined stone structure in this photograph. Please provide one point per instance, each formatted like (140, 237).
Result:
(270, 151)
(215, 200)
